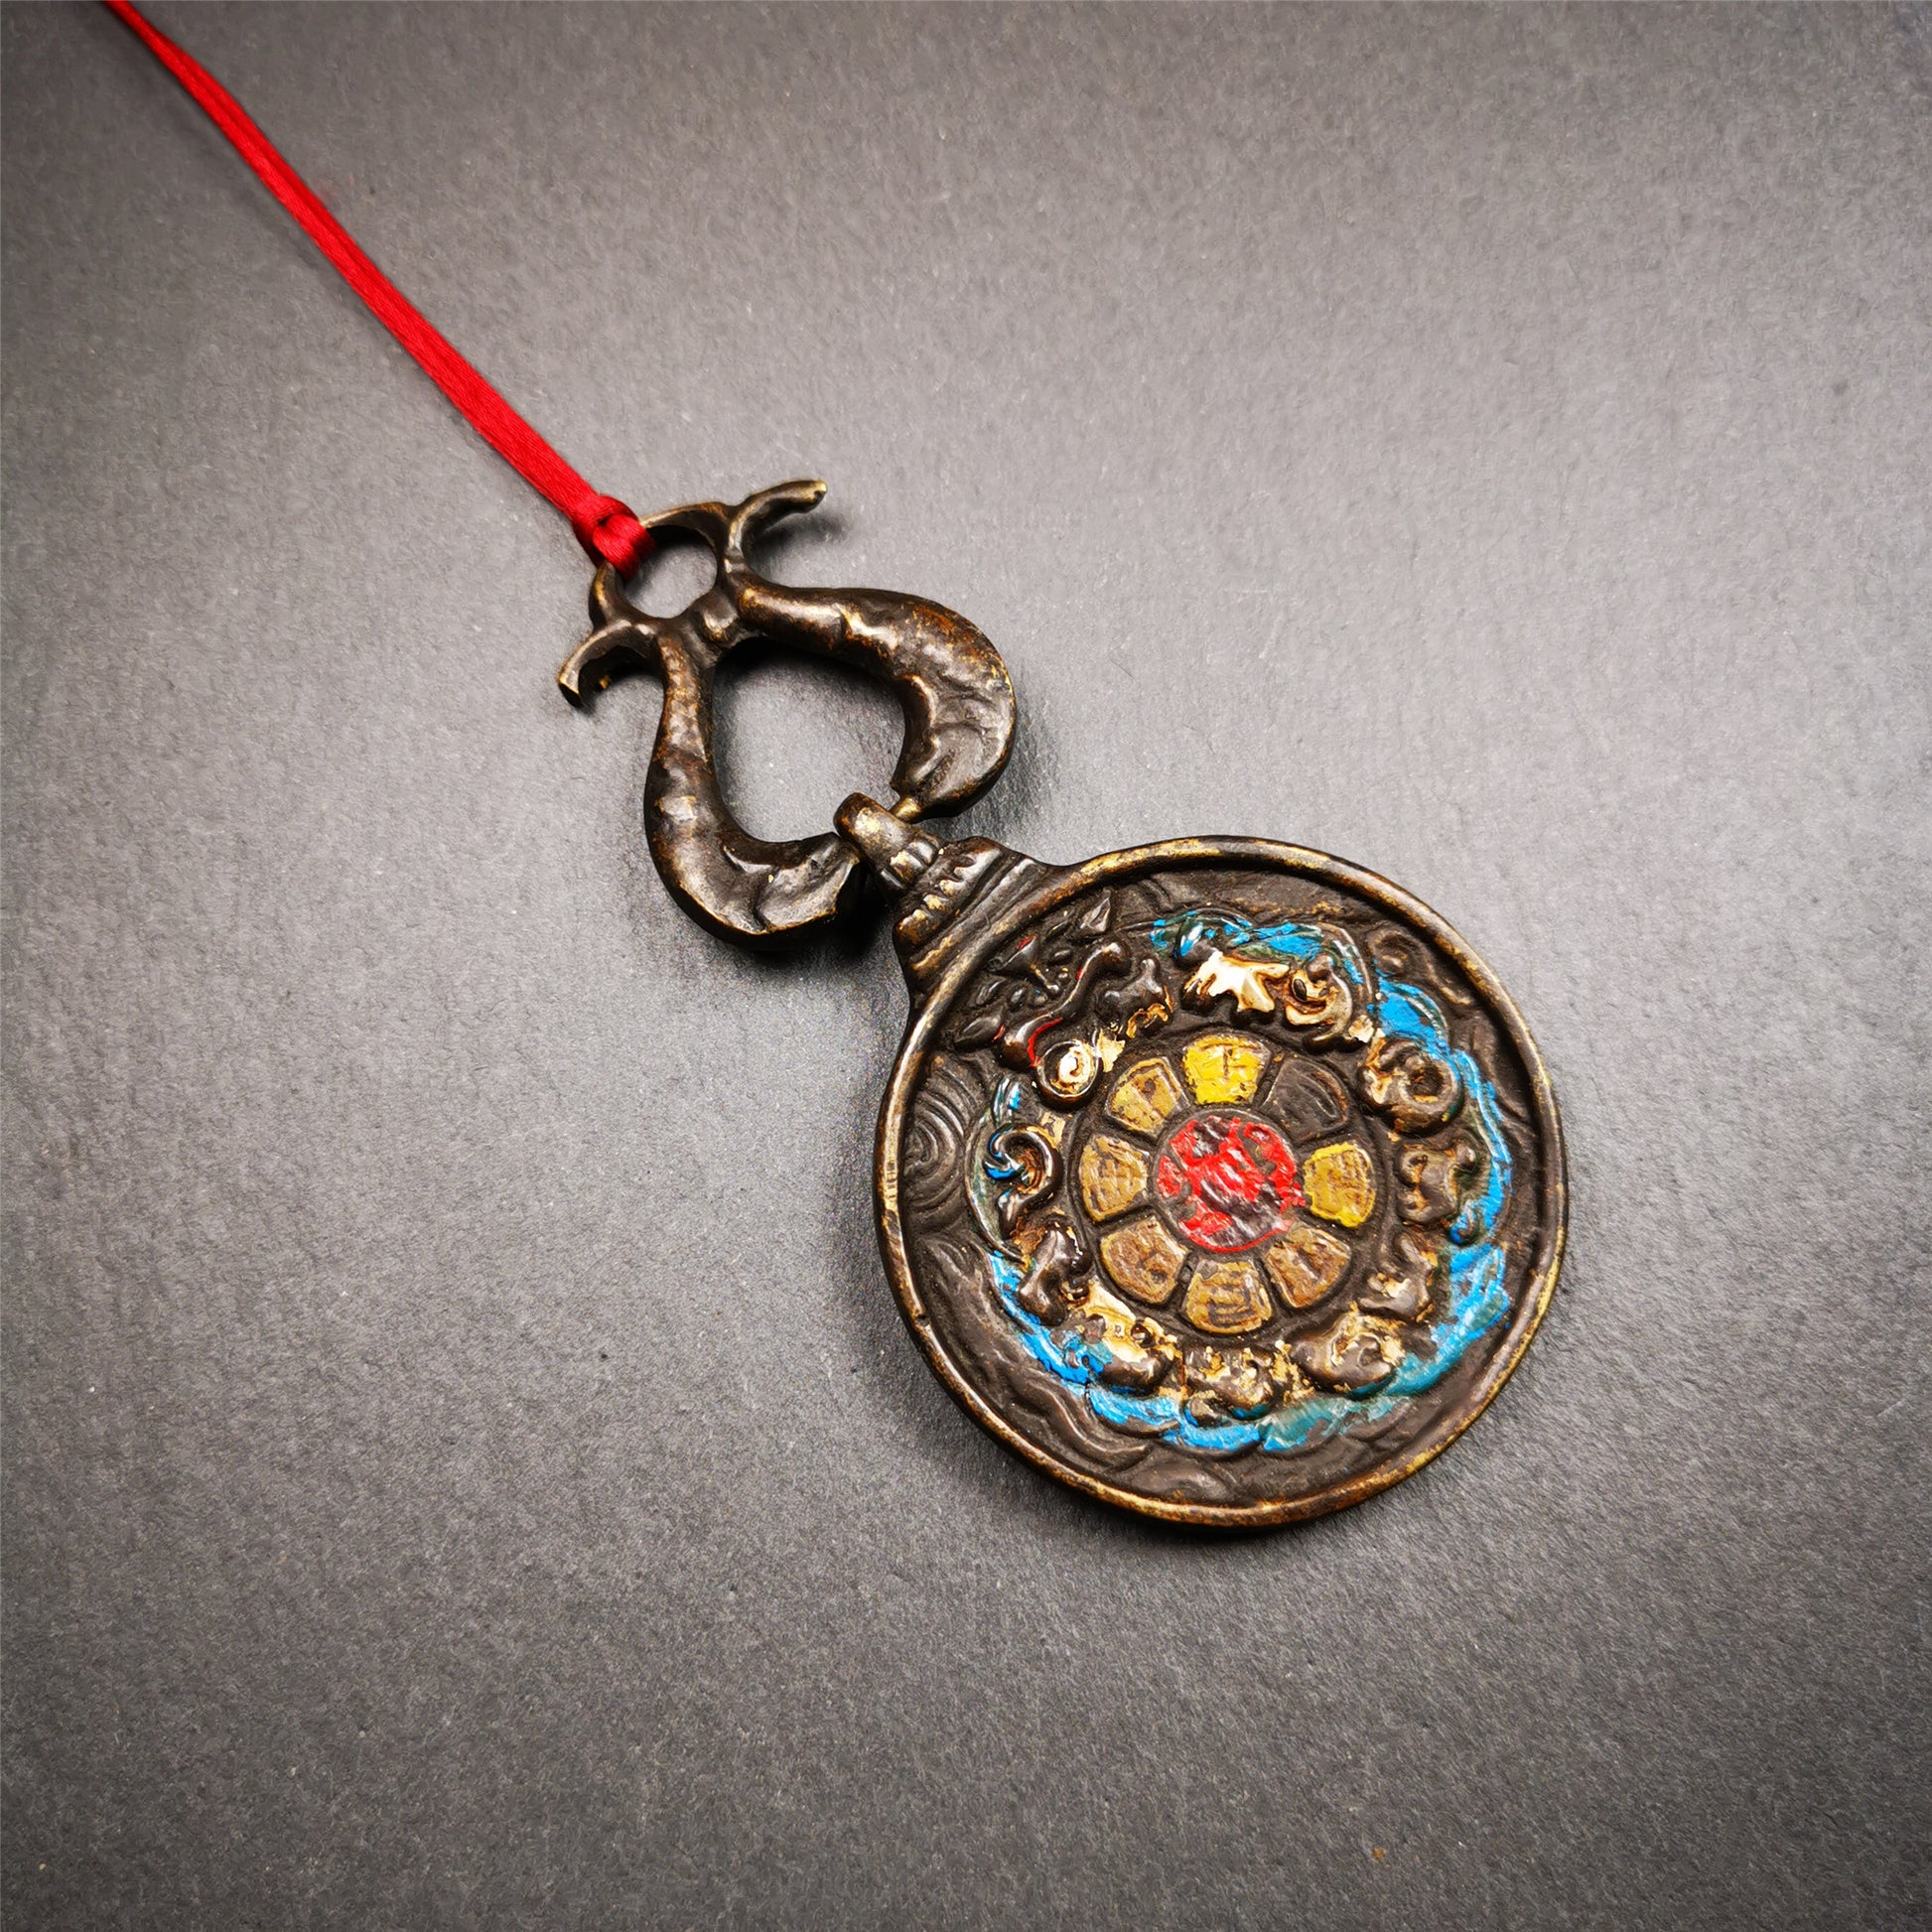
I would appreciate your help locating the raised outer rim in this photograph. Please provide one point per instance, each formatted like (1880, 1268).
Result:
(1183, 854)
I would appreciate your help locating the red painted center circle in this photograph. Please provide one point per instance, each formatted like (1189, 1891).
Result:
(1227, 1181)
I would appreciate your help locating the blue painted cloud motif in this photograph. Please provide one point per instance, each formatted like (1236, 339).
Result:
(1454, 1174)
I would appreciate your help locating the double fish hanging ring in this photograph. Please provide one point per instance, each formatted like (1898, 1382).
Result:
(950, 682)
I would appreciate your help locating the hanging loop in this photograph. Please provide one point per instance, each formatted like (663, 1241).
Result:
(950, 682)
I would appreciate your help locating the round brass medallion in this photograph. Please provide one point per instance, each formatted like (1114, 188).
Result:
(1217, 1177)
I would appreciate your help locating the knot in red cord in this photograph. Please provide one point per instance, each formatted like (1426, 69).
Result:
(610, 532)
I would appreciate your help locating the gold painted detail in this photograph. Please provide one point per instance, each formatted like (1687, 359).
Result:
(1113, 1177)
(1068, 1068)
(1238, 1384)
(1408, 1083)
(1226, 1298)
(1401, 1287)
(1144, 1259)
(1339, 1182)
(1353, 1355)
(1305, 1262)
(1140, 1355)
(1309, 994)
(1316, 996)
(1146, 1096)
(1223, 1067)
(1221, 973)
(1436, 1181)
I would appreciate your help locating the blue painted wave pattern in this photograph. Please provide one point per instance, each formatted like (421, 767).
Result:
(1475, 1296)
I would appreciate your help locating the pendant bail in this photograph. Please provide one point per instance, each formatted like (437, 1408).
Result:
(949, 681)
(893, 850)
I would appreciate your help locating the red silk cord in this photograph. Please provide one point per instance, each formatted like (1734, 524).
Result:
(604, 526)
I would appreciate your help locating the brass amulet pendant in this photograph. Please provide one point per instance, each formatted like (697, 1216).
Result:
(1218, 1177)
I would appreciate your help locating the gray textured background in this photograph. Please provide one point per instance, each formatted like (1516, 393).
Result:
(463, 1462)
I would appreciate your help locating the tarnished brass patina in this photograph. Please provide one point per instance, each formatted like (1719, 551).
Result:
(955, 692)
(1218, 1177)
(1256, 1278)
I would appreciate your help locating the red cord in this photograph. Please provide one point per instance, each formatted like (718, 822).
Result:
(605, 527)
